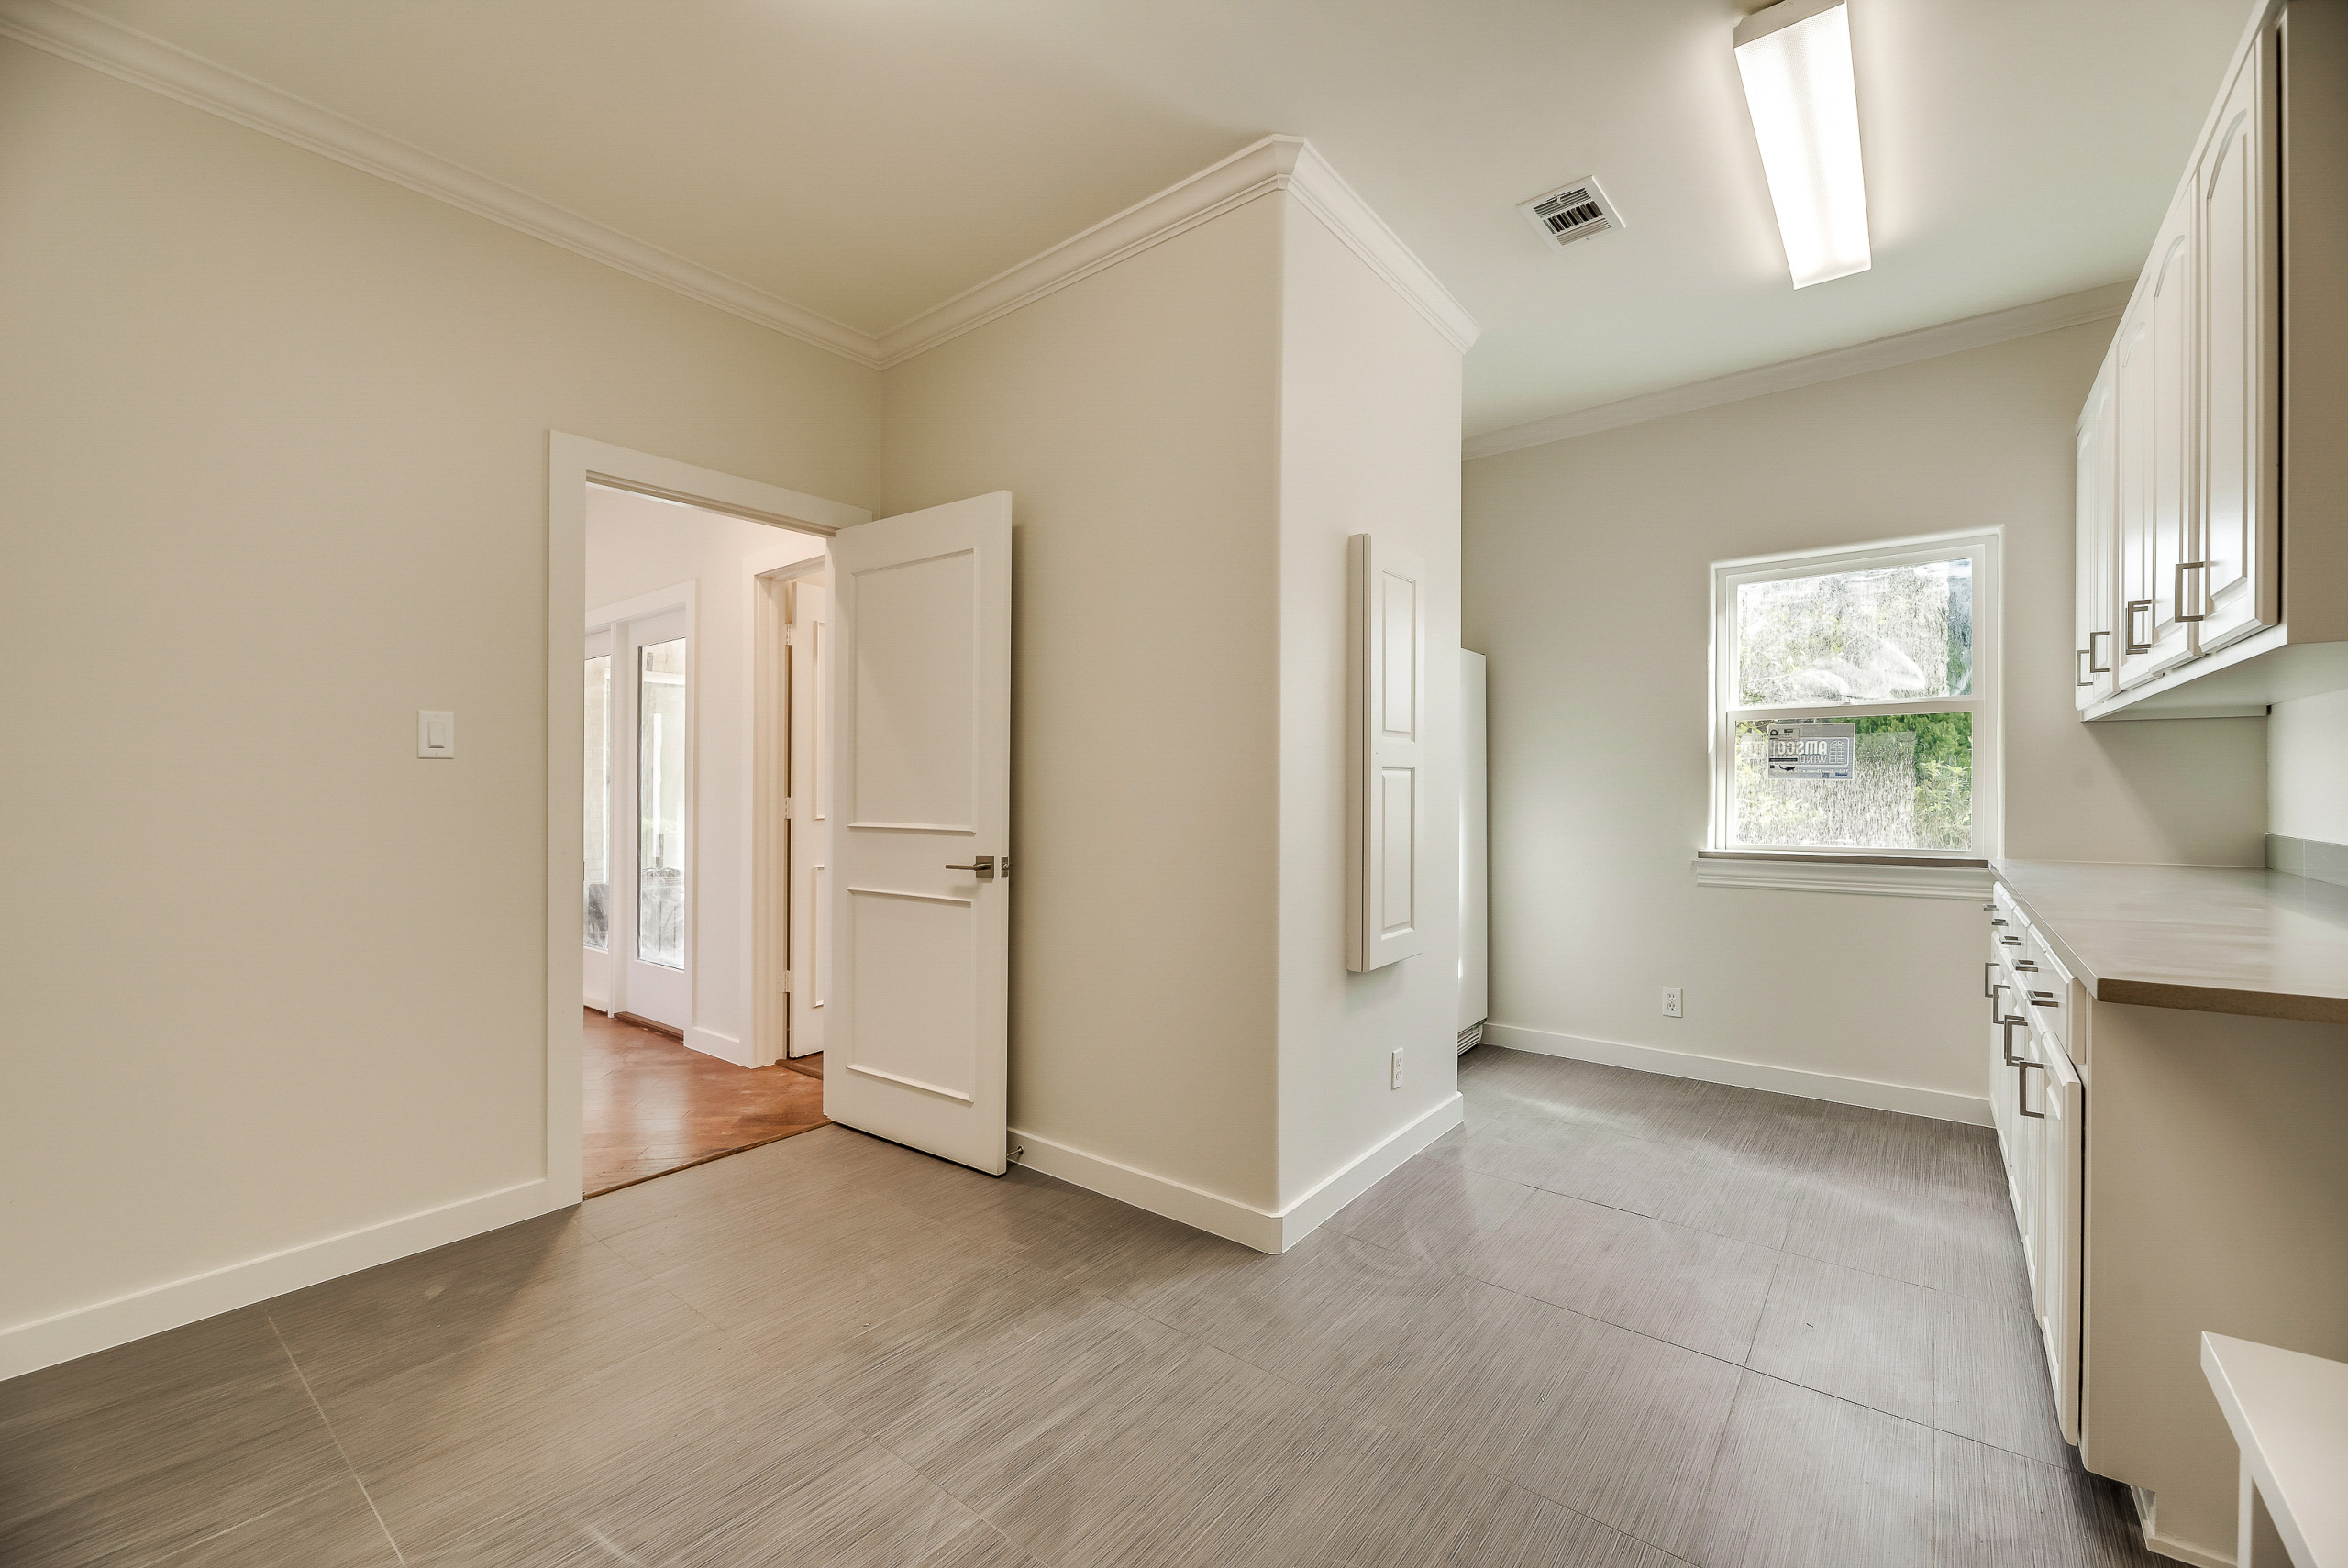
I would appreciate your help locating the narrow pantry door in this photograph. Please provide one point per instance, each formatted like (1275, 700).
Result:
(914, 1047)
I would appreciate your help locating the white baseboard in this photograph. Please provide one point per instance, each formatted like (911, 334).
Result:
(45, 1341)
(724, 1047)
(1265, 1230)
(1938, 1104)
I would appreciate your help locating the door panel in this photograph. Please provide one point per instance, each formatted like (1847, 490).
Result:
(656, 855)
(811, 826)
(1386, 779)
(595, 854)
(920, 683)
(2063, 1153)
(2238, 588)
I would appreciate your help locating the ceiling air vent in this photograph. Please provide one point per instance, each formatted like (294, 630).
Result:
(1572, 212)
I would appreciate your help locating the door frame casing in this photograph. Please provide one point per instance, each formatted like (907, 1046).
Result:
(572, 463)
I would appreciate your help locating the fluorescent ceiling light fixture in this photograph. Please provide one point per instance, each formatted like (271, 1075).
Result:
(1794, 58)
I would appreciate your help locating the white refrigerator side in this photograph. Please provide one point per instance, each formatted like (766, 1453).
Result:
(1475, 849)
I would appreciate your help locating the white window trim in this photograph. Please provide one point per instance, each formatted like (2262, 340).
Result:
(1945, 873)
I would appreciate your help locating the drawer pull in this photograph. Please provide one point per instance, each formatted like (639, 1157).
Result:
(2006, 1045)
(2022, 1089)
(2010, 941)
(1988, 966)
(2044, 999)
(2026, 965)
(2000, 919)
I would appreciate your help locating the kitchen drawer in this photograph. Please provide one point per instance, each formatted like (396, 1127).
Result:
(2046, 990)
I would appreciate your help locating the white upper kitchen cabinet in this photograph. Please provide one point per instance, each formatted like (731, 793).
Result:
(2159, 509)
(2212, 484)
(2095, 588)
(2235, 585)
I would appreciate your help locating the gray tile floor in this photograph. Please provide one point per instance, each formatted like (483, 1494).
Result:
(1614, 1322)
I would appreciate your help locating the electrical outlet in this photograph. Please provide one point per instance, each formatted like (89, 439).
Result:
(1395, 1069)
(1671, 1005)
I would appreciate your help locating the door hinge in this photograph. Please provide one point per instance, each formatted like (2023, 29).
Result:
(786, 979)
(786, 805)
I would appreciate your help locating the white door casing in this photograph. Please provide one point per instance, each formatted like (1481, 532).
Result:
(811, 826)
(1386, 788)
(916, 1043)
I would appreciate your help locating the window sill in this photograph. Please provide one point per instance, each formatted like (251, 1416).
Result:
(1883, 876)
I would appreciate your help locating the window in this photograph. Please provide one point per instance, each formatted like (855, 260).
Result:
(1855, 701)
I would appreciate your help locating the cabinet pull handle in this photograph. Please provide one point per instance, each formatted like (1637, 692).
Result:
(1997, 920)
(2139, 607)
(2202, 599)
(2022, 1089)
(1998, 1002)
(2081, 676)
(2026, 965)
(2006, 1041)
(2093, 668)
(1986, 966)
(2010, 941)
(2043, 999)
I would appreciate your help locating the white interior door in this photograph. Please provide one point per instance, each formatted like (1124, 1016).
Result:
(914, 1044)
(657, 758)
(595, 854)
(811, 819)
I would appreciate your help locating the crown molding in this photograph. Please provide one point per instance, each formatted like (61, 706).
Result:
(1882, 354)
(145, 61)
(1276, 163)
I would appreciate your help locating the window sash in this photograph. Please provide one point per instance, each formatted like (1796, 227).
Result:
(1982, 546)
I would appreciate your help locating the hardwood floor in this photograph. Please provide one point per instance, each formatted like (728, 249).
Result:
(653, 1106)
(1614, 1322)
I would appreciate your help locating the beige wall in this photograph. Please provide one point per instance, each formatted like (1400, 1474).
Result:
(2307, 768)
(275, 440)
(635, 546)
(1586, 583)
(1370, 415)
(1132, 416)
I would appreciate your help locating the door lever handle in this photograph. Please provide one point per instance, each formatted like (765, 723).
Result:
(982, 865)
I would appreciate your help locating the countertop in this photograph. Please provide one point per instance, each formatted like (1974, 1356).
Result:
(2289, 1413)
(2203, 938)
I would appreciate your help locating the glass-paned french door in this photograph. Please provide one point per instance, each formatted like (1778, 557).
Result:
(638, 858)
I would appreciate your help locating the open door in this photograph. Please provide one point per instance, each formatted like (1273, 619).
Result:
(920, 805)
(811, 817)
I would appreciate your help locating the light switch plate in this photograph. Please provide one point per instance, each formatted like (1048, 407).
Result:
(436, 733)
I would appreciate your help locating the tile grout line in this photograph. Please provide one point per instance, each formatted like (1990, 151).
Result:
(389, 1538)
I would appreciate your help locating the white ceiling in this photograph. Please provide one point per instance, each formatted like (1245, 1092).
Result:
(869, 158)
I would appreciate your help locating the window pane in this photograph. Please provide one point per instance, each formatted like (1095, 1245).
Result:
(1886, 635)
(660, 801)
(596, 851)
(1911, 788)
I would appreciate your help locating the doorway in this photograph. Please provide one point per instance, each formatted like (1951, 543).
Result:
(682, 721)
(910, 966)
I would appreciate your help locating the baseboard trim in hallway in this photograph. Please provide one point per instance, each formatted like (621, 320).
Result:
(45, 1341)
(1939, 1104)
(1266, 1231)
